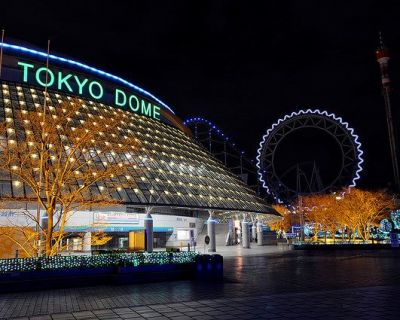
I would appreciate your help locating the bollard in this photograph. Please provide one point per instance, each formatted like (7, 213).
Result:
(203, 266)
(209, 267)
(198, 266)
(218, 267)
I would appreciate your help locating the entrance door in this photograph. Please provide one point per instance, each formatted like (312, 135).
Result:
(136, 241)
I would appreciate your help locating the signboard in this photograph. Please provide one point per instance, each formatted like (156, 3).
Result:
(207, 240)
(20, 217)
(182, 234)
(112, 218)
(82, 85)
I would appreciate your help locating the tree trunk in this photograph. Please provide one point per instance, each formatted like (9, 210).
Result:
(49, 232)
(364, 233)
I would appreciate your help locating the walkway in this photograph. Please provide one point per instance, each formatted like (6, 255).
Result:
(239, 251)
(337, 304)
(290, 285)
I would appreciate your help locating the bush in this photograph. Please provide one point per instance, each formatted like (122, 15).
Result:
(96, 261)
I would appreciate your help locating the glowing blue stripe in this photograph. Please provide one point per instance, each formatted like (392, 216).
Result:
(318, 112)
(214, 127)
(84, 67)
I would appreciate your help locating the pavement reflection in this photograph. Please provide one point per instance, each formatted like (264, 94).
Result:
(284, 273)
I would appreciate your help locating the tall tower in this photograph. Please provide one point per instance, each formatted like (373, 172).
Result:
(382, 57)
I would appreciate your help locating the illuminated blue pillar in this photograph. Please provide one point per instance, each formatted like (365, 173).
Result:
(148, 229)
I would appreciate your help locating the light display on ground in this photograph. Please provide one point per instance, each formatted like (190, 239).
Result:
(96, 261)
(385, 226)
(395, 217)
(393, 223)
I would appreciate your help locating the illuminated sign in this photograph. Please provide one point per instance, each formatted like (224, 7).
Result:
(116, 218)
(79, 85)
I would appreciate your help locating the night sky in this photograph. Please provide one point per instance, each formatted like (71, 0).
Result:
(241, 64)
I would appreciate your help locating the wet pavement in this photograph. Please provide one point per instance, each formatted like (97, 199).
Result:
(314, 270)
(294, 284)
(254, 250)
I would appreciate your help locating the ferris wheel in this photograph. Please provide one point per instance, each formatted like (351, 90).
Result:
(307, 173)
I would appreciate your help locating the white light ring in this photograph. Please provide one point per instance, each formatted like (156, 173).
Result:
(84, 67)
(332, 116)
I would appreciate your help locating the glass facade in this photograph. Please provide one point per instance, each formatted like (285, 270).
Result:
(169, 169)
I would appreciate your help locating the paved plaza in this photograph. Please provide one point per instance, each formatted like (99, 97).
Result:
(294, 284)
(254, 250)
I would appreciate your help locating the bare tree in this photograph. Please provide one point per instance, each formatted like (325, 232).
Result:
(65, 159)
(357, 210)
(284, 223)
(365, 209)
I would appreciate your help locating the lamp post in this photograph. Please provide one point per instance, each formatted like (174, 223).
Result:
(42, 147)
(382, 57)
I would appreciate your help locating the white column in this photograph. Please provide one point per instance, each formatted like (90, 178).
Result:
(212, 247)
(259, 234)
(254, 231)
(245, 233)
(87, 243)
(148, 229)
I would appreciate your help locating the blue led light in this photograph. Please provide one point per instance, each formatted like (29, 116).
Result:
(355, 137)
(84, 67)
(213, 127)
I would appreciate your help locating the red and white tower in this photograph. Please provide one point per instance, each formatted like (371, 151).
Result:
(382, 57)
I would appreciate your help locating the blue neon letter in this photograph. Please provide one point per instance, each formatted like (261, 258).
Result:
(50, 79)
(25, 69)
(146, 110)
(118, 95)
(80, 84)
(63, 80)
(156, 112)
(134, 105)
(100, 94)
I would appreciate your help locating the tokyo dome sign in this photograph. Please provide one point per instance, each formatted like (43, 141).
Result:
(80, 85)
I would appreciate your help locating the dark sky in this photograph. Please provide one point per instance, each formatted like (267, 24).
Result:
(241, 64)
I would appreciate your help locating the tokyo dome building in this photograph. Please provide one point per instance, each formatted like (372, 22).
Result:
(170, 172)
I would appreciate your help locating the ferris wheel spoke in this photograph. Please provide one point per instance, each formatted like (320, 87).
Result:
(350, 148)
